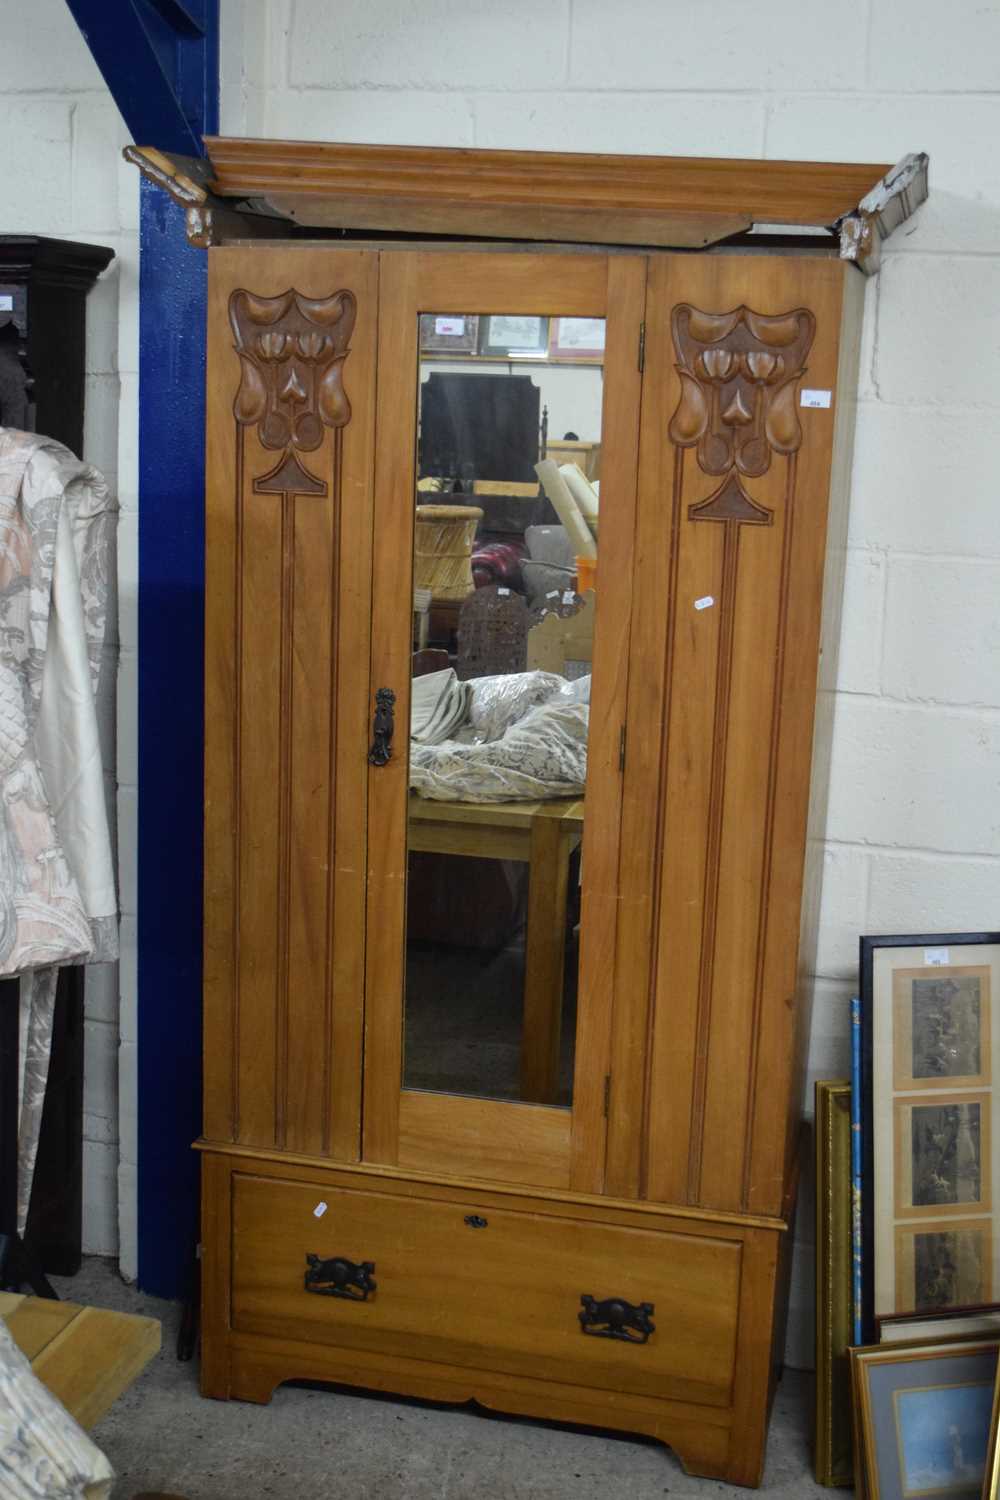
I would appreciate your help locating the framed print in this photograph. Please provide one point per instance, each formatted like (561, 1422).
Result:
(930, 1113)
(832, 1458)
(924, 1413)
(945, 1264)
(449, 333)
(941, 1028)
(982, 1322)
(856, 1158)
(942, 1154)
(503, 334)
(576, 338)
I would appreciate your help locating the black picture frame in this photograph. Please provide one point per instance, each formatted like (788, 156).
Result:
(868, 947)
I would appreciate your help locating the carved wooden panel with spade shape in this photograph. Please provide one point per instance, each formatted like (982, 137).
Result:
(735, 480)
(290, 413)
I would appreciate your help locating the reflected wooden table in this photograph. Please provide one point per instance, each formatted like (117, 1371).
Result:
(544, 835)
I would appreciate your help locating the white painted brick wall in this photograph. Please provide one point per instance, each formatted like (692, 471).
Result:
(63, 175)
(914, 821)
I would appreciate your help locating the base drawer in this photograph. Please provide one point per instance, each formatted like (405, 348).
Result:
(470, 1283)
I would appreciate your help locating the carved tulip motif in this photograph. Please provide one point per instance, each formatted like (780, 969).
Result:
(763, 368)
(272, 345)
(739, 373)
(292, 351)
(313, 345)
(717, 364)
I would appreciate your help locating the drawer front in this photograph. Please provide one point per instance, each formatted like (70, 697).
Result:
(501, 1293)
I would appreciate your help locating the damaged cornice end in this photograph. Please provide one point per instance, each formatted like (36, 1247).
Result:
(890, 203)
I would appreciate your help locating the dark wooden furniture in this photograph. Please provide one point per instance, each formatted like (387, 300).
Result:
(43, 291)
(623, 1261)
(480, 426)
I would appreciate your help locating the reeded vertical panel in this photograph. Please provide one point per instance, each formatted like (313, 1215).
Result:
(734, 477)
(291, 391)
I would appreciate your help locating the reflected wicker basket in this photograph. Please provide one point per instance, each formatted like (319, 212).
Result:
(442, 547)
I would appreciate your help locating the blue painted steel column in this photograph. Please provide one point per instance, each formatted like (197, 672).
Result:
(160, 59)
(172, 281)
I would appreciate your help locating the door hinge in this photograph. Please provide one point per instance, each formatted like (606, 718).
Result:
(621, 749)
(607, 1095)
(642, 347)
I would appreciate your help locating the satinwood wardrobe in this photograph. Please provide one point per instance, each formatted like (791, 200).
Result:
(598, 1234)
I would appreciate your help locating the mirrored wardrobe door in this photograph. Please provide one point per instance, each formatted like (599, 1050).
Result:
(485, 922)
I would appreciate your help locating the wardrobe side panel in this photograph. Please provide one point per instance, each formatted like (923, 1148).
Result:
(776, 1141)
(734, 478)
(289, 440)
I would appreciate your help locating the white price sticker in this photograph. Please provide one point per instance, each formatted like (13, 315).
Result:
(319, 1210)
(453, 326)
(816, 398)
(704, 603)
(935, 957)
(6, 302)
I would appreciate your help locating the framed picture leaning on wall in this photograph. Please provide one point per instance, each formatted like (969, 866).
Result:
(923, 1415)
(931, 1107)
(832, 1454)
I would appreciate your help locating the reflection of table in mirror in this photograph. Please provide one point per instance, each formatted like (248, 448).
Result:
(544, 835)
(569, 450)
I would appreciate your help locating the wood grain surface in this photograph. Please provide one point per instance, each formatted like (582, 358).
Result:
(675, 1168)
(287, 631)
(86, 1356)
(640, 200)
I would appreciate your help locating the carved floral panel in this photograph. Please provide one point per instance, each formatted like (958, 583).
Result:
(739, 372)
(292, 351)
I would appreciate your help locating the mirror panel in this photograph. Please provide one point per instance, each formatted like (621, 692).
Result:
(506, 520)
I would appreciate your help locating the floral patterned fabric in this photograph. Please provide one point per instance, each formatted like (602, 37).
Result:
(44, 1453)
(57, 890)
(525, 740)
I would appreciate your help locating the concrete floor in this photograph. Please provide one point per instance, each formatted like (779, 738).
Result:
(333, 1445)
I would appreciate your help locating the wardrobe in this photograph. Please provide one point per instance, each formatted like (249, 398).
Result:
(567, 1191)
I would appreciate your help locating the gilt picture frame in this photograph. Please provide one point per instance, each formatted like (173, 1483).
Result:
(991, 1478)
(930, 1113)
(833, 1427)
(923, 1415)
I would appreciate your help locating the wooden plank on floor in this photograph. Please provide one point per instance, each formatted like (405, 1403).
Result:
(35, 1321)
(87, 1356)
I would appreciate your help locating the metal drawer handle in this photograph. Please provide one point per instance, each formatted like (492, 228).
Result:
(614, 1318)
(383, 723)
(337, 1276)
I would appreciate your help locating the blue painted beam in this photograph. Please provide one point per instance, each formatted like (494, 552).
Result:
(172, 297)
(160, 59)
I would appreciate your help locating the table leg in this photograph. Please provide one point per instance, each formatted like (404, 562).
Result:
(545, 953)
